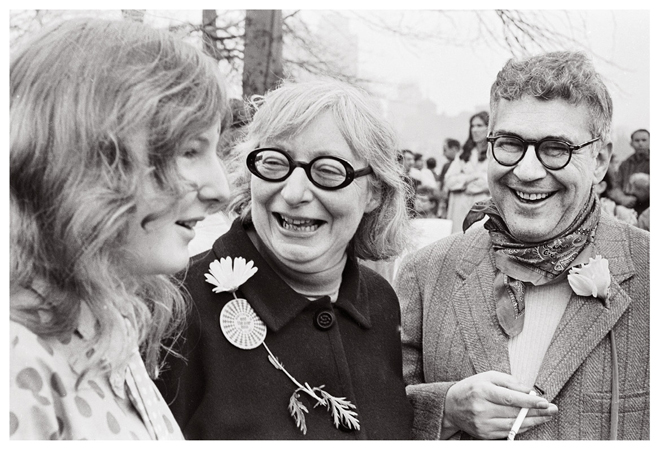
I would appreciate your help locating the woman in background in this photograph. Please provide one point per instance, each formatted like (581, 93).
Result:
(114, 128)
(466, 178)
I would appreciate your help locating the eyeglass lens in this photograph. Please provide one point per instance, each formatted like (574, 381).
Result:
(274, 166)
(510, 150)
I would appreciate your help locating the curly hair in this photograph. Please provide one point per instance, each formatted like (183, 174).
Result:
(565, 75)
(288, 109)
(80, 92)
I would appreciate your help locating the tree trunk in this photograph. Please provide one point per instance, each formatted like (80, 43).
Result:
(262, 68)
(209, 24)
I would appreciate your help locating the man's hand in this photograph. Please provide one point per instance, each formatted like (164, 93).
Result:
(486, 405)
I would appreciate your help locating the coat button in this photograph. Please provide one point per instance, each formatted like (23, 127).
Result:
(324, 320)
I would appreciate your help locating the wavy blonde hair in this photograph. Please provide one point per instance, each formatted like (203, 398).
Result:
(287, 110)
(80, 93)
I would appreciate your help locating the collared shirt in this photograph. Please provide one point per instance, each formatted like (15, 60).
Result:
(46, 401)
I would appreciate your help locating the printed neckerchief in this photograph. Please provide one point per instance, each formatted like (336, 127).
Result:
(518, 262)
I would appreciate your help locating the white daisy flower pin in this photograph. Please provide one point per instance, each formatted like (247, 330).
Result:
(226, 278)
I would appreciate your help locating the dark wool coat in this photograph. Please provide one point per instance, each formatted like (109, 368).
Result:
(450, 332)
(223, 392)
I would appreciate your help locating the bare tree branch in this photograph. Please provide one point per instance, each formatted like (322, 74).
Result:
(517, 32)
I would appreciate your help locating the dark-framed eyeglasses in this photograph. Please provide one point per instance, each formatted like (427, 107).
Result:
(552, 153)
(326, 172)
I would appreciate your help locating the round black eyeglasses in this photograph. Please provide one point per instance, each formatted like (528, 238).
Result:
(552, 153)
(326, 172)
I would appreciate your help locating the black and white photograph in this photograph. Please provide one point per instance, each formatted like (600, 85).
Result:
(464, 253)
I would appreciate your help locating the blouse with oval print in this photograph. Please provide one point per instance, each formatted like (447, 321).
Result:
(45, 402)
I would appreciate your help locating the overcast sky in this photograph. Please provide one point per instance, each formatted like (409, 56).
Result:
(458, 78)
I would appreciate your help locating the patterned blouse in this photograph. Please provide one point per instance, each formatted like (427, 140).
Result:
(45, 402)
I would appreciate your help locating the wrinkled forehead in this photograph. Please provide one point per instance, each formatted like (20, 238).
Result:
(563, 114)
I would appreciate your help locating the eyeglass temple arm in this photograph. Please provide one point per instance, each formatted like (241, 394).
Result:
(587, 143)
(365, 171)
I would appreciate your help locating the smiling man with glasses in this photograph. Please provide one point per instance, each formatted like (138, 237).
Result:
(491, 324)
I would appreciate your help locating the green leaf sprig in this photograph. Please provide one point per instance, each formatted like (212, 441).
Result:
(341, 409)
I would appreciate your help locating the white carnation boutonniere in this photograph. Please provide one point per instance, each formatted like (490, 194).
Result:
(591, 279)
(243, 328)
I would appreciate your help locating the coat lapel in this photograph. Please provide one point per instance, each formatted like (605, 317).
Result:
(474, 308)
(586, 320)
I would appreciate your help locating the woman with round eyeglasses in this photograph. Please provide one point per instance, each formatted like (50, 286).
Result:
(319, 353)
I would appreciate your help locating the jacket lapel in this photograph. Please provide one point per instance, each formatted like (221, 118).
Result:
(474, 308)
(587, 320)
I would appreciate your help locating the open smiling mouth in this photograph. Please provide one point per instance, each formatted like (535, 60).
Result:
(189, 224)
(288, 223)
(532, 198)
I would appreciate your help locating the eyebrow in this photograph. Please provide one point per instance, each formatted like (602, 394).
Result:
(314, 153)
(200, 139)
(560, 137)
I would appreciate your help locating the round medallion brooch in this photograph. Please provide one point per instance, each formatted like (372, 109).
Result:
(241, 325)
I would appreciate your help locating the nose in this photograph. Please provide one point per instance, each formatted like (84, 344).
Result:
(213, 184)
(297, 188)
(530, 168)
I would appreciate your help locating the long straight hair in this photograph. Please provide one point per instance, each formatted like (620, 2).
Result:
(469, 144)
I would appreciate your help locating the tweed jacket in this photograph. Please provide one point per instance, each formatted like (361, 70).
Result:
(450, 332)
(223, 392)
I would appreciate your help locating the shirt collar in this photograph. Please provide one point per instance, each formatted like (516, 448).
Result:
(86, 323)
(85, 331)
(279, 304)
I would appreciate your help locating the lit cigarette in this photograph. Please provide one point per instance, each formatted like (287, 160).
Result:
(518, 422)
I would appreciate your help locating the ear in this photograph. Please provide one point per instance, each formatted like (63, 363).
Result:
(600, 187)
(374, 199)
(602, 159)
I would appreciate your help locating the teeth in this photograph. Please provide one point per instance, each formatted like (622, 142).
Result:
(289, 226)
(299, 224)
(531, 197)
